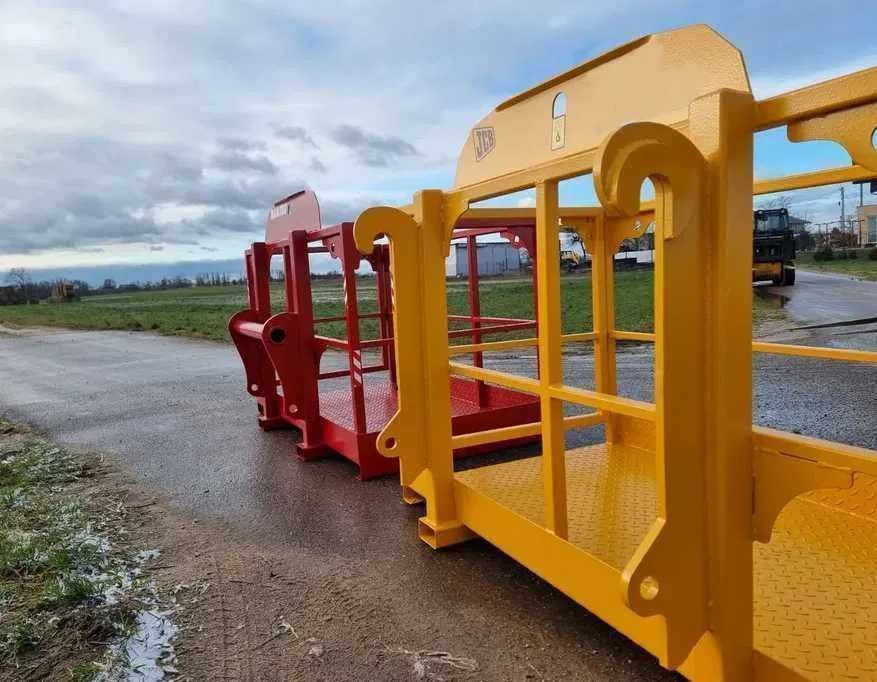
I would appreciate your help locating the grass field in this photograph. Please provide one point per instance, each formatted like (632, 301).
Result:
(860, 268)
(204, 311)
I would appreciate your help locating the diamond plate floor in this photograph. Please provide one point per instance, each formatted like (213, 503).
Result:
(381, 402)
(815, 582)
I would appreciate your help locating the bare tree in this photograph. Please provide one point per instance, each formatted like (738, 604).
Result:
(782, 201)
(18, 277)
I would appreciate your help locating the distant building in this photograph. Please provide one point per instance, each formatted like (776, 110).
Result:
(494, 258)
(868, 225)
(796, 223)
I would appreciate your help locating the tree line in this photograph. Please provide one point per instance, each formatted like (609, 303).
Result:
(20, 286)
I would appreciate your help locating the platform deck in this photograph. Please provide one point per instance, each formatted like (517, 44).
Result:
(381, 402)
(815, 582)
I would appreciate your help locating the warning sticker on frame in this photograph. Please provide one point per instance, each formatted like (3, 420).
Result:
(485, 142)
(558, 132)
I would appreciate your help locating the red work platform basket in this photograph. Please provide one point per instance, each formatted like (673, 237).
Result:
(282, 352)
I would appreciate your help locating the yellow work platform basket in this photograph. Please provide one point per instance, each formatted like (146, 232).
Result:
(730, 552)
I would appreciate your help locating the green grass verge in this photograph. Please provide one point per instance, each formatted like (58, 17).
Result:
(66, 590)
(204, 311)
(860, 268)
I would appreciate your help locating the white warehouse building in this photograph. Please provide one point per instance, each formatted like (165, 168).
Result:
(494, 258)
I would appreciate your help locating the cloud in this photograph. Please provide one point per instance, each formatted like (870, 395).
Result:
(239, 144)
(334, 211)
(235, 161)
(296, 134)
(371, 149)
(131, 125)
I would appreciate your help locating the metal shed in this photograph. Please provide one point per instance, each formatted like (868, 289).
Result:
(494, 258)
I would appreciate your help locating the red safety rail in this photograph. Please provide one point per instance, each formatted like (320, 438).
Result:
(283, 351)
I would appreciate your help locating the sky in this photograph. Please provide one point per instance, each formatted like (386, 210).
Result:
(162, 131)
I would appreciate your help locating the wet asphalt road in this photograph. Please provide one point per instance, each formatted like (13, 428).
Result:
(819, 298)
(838, 311)
(176, 413)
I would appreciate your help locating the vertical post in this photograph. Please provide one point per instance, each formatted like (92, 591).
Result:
(721, 126)
(550, 359)
(531, 244)
(298, 291)
(475, 312)
(251, 279)
(440, 526)
(385, 306)
(603, 302)
(349, 255)
(289, 276)
(260, 287)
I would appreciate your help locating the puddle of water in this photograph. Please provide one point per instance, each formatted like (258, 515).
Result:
(147, 654)
(772, 298)
(148, 650)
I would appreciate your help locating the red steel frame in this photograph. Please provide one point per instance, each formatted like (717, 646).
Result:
(283, 349)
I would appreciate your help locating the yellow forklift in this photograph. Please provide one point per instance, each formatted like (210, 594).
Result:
(572, 252)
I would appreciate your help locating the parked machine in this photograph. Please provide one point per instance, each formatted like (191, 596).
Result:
(572, 254)
(773, 247)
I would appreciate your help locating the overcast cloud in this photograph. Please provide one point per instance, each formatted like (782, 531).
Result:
(136, 131)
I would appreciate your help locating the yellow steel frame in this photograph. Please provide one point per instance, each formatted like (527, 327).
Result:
(666, 531)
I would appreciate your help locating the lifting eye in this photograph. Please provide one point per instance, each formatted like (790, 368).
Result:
(278, 335)
(559, 107)
(874, 139)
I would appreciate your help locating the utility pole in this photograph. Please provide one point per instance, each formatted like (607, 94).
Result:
(843, 208)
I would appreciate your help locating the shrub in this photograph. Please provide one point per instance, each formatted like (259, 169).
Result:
(872, 254)
(853, 254)
(825, 253)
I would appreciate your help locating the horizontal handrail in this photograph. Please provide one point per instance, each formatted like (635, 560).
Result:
(621, 335)
(343, 344)
(482, 318)
(841, 354)
(466, 348)
(495, 329)
(579, 337)
(342, 318)
(604, 401)
(508, 433)
(829, 176)
(338, 373)
(846, 354)
(579, 396)
(845, 92)
(525, 384)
